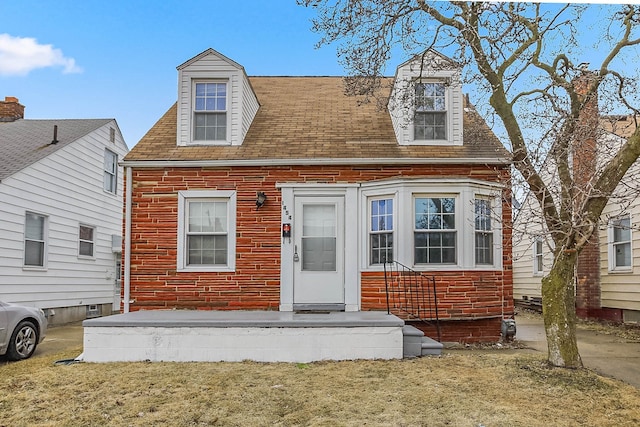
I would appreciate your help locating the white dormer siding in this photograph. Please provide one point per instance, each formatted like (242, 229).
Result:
(437, 72)
(236, 105)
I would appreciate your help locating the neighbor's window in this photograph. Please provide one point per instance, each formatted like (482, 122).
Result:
(620, 250)
(435, 230)
(35, 242)
(484, 232)
(207, 227)
(430, 119)
(538, 265)
(86, 241)
(381, 231)
(110, 171)
(210, 111)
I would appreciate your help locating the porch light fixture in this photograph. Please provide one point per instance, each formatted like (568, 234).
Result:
(261, 198)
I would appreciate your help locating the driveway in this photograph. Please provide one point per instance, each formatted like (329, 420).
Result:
(59, 338)
(609, 355)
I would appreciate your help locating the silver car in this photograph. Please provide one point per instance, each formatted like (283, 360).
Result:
(21, 330)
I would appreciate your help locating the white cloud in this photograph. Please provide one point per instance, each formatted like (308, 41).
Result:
(20, 55)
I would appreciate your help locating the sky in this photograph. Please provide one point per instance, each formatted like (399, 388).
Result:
(117, 59)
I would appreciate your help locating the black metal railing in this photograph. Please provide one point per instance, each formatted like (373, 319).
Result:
(411, 295)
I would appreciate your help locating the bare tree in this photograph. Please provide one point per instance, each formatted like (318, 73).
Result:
(526, 58)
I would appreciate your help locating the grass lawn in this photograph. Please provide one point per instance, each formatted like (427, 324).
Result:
(471, 388)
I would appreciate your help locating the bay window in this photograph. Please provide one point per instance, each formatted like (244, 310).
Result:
(381, 231)
(435, 230)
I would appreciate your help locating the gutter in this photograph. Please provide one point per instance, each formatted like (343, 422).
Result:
(313, 162)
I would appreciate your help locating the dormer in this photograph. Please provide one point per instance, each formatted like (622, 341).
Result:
(426, 103)
(216, 103)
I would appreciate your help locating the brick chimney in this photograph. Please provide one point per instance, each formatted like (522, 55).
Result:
(584, 153)
(11, 110)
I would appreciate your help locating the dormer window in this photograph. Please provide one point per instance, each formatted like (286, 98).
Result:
(210, 111)
(430, 119)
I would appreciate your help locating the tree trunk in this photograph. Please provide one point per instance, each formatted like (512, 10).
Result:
(559, 311)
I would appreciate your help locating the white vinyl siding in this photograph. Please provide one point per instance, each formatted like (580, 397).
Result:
(403, 95)
(241, 103)
(206, 230)
(74, 195)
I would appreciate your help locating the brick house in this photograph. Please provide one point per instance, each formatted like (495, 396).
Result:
(282, 193)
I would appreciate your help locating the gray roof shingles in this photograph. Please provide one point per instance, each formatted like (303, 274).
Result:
(24, 142)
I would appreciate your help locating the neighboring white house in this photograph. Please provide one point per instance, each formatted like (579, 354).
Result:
(608, 274)
(60, 213)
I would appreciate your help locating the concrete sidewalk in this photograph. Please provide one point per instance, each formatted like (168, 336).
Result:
(608, 355)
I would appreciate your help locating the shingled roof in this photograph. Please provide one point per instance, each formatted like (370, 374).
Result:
(24, 142)
(304, 118)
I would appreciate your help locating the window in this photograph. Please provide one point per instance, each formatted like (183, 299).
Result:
(435, 230)
(484, 232)
(538, 265)
(620, 247)
(110, 171)
(381, 231)
(35, 240)
(206, 230)
(430, 119)
(86, 239)
(210, 112)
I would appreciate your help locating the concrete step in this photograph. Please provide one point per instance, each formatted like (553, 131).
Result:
(415, 344)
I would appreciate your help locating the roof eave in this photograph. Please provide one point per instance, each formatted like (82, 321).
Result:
(139, 164)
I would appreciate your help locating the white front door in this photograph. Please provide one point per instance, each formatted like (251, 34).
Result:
(318, 235)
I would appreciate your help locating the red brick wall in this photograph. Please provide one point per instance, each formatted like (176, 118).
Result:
(255, 284)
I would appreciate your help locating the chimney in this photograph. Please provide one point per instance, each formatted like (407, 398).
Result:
(11, 110)
(588, 292)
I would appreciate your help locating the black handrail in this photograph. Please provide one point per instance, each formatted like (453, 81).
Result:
(410, 294)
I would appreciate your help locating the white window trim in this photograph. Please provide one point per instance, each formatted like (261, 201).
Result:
(611, 247)
(113, 175)
(465, 191)
(183, 197)
(536, 255)
(95, 234)
(388, 196)
(446, 111)
(492, 223)
(192, 112)
(45, 235)
(449, 114)
(458, 217)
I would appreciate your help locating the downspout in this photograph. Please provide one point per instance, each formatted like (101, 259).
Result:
(127, 240)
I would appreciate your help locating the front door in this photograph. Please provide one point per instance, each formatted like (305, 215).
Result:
(318, 251)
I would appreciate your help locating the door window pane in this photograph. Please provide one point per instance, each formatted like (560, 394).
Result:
(319, 237)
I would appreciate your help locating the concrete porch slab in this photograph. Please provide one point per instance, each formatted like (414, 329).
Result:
(264, 336)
